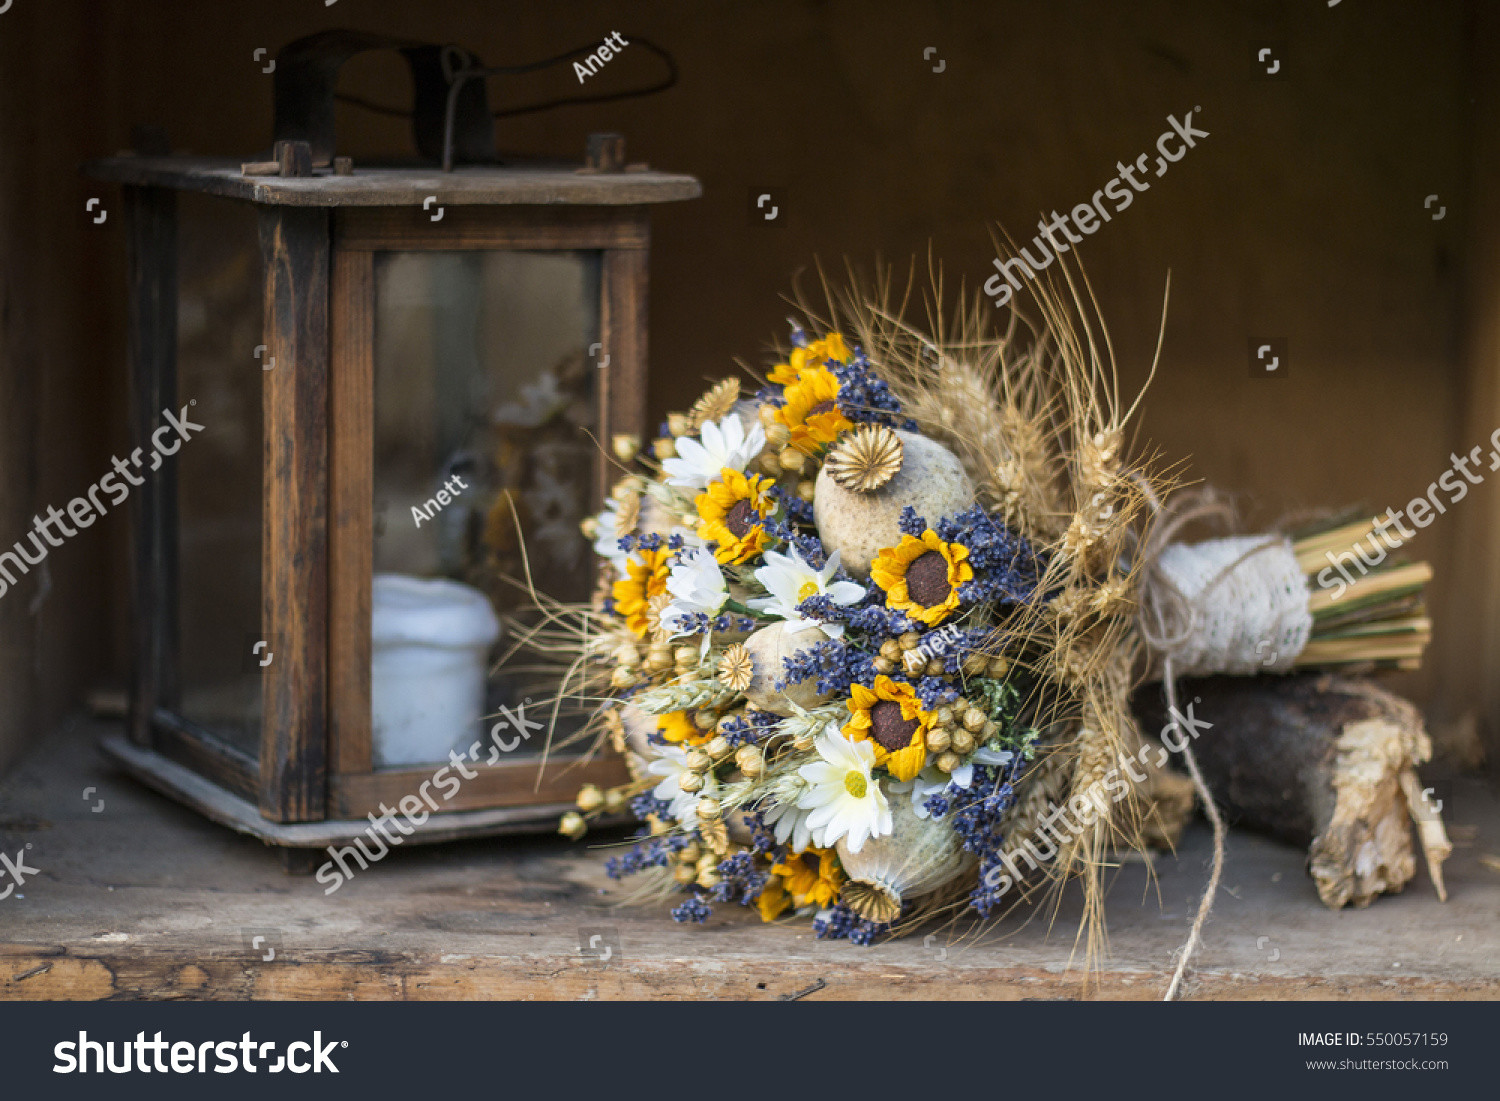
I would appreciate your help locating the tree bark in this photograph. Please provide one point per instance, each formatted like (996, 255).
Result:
(1316, 760)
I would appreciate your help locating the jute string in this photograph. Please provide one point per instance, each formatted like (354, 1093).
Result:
(1216, 607)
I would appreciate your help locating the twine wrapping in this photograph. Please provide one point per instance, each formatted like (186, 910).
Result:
(1232, 605)
(1236, 605)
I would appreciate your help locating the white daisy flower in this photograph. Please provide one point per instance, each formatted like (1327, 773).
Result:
(670, 766)
(723, 444)
(607, 537)
(845, 799)
(789, 824)
(696, 584)
(790, 581)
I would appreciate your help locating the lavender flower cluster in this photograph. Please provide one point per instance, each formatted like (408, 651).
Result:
(749, 728)
(831, 665)
(1006, 569)
(842, 923)
(654, 852)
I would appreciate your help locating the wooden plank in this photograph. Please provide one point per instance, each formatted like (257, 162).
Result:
(223, 764)
(524, 185)
(519, 783)
(504, 919)
(1466, 646)
(411, 228)
(151, 353)
(294, 569)
(623, 326)
(351, 481)
(221, 806)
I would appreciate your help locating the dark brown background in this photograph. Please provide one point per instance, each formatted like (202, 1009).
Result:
(1301, 217)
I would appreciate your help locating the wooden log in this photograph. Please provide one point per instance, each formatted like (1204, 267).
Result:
(1320, 761)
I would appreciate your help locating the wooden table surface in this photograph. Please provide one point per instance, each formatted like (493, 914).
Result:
(142, 899)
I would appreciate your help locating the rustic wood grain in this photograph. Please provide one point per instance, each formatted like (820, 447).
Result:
(151, 353)
(623, 327)
(295, 247)
(411, 228)
(518, 783)
(525, 185)
(351, 475)
(148, 900)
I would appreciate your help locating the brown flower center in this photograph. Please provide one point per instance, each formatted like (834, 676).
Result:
(822, 407)
(741, 518)
(927, 579)
(888, 727)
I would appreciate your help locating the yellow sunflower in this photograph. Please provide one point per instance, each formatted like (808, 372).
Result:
(921, 576)
(812, 412)
(831, 347)
(729, 514)
(678, 728)
(811, 878)
(645, 577)
(891, 718)
(773, 900)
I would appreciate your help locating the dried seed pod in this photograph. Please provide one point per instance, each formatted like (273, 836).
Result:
(974, 719)
(890, 649)
(807, 490)
(627, 655)
(622, 677)
(686, 655)
(684, 874)
(939, 738)
(736, 668)
(679, 424)
(572, 825)
(709, 880)
(767, 415)
(589, 525)
(865, 459)
(626, 446)
(777, 435)
(935, 667)
(705, 719)
(975, 663)
(947, 762)
(590, 798)
(998, 667)
(943, 716)
(751, 761)
(716, 404)
(719, 748)
(614, 801)
(917, 857)
(691, 782)
(791, 460)
(709, 809)
(910, 641)
(963, 742)
(664, 448)
(697, 761)
(858, 525)
(690, 852)
(884, 665)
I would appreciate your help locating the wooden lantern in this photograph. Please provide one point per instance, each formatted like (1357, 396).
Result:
(420, 329)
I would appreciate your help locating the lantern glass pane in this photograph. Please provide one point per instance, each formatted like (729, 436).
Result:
(485, 419)
(219, 487)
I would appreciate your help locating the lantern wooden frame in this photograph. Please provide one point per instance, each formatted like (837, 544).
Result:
(314, 782)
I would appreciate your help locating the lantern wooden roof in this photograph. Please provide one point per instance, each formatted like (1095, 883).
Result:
(521, 184)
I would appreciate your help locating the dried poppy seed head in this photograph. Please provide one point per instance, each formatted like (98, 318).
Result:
(866, 459)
